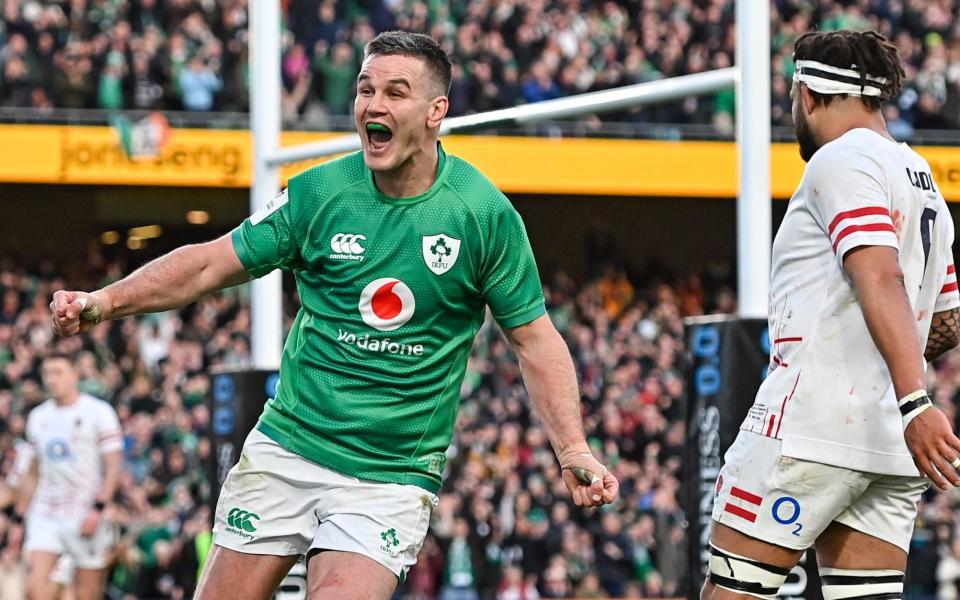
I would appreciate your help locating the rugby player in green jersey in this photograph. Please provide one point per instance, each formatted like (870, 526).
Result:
(397, 251)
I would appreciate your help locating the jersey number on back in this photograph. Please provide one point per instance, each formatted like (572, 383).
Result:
(926, 232)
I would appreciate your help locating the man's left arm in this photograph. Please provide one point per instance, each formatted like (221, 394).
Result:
(112, 463)
(944, 334)
(878, 280)
(551, 382)
(944, 331)
(110, 438)
(510, 284)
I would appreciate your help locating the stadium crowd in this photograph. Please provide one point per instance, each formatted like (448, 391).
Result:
(192, 54)
(505, 527)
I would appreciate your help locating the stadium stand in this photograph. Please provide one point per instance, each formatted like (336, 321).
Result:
(505, 528)
(192, 55)
(503, 524)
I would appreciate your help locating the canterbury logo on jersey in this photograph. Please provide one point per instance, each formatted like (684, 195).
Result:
(346, 246)
(242, 519)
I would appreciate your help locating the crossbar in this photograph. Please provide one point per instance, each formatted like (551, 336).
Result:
(652, 92)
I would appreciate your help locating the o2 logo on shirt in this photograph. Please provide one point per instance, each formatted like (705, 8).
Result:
(58, 450)
(386, 304)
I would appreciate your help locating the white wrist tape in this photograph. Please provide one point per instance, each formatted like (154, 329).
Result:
(912, 405)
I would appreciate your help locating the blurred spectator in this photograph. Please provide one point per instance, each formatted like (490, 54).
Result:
(295, 65)
(589, 587)
(198, 83)
(110, 92)
(460, 579)
(898, 127)
(540, 85)
(517, 586)
(15, 85)
(614, 555)
(337, 71)
(948, 573)
(72, 80)
(145, 90)
(929, 113)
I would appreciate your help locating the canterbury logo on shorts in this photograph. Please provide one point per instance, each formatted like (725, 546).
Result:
(242, 519)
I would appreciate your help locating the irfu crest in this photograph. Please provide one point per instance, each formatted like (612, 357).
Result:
(440, 252)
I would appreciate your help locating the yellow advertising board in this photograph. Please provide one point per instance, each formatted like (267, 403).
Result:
(93, 155)
(533, 165)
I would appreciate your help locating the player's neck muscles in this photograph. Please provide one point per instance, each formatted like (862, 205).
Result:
(872, 122)
(414, 178)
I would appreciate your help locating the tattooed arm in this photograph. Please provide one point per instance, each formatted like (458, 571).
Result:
(944, 333)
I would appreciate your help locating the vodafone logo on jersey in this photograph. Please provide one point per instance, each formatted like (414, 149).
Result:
(386, 304)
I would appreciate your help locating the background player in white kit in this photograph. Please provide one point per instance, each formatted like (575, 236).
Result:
(71, 479)
(832, 451)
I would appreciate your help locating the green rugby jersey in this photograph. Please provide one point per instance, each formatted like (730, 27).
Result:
(393, 292)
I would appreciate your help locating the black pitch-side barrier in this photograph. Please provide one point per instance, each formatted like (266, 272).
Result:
(236, 401)
(728, 359)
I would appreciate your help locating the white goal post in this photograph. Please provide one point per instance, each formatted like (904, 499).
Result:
(753, 136)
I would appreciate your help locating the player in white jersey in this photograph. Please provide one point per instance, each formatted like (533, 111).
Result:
(70, 481)
(834, 451)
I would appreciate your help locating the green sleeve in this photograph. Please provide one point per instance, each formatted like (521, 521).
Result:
(509, 278)
(267, 239)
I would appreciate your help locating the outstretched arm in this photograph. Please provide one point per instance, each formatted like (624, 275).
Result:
(552, 384)
(171, 281)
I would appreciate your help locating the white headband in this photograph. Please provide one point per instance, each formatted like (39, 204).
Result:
(827, 79)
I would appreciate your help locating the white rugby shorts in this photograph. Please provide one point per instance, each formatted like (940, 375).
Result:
(790, 502)
(62, 536)
(277, 502)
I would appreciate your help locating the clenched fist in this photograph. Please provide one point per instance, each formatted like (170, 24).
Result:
(589, 482)
(75, 312)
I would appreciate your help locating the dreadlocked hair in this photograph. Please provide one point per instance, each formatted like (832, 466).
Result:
(867, 52)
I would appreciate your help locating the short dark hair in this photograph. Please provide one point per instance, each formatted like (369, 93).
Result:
(865, 51)
(417, 45)
(58, 355)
